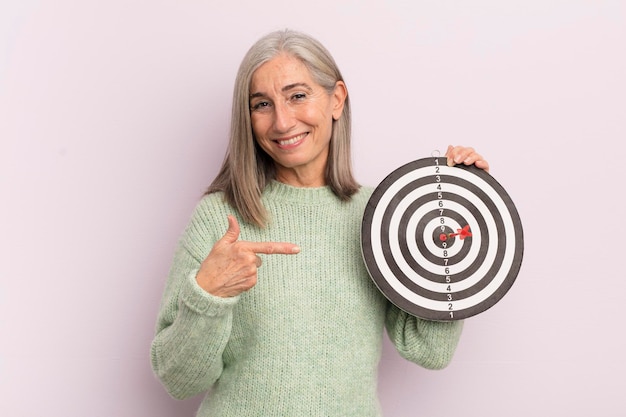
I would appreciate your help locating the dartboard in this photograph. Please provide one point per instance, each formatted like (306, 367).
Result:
(441, 243)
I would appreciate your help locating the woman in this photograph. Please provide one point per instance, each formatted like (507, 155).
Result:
(269, 306)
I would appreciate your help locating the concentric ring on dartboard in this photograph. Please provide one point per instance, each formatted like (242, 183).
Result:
(422, 253)
(414, 205)
(422, 275)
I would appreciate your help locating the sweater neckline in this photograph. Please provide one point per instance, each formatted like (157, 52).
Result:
(279, 191)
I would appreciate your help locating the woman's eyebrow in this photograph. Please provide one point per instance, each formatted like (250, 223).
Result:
(296, 85)
(284, 89)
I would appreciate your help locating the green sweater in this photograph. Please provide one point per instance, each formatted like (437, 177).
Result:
(307, 339)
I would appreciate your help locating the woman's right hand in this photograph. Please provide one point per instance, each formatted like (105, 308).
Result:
(231, 266)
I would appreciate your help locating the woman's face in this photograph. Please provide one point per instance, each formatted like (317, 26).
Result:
(292, 119)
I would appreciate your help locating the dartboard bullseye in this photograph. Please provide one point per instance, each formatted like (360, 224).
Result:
(442, 243)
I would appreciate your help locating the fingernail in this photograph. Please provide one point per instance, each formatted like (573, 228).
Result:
(296, 249)
(457, 159)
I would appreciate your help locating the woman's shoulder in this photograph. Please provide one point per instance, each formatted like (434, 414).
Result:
(364, 193)
(208, 221)
(211, 207)
(366, 190)
(359, 200)
(212, 199)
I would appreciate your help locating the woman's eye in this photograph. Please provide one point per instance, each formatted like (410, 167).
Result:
(260, 105)
(298, 96)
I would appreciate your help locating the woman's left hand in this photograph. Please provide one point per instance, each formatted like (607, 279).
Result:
(465, 155)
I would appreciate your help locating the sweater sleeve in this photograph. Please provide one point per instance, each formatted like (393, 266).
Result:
(193, 326)
(430, 344)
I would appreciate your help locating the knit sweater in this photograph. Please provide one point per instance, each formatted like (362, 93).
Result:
(306, 340)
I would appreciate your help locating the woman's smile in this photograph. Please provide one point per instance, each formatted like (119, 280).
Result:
(290, 143)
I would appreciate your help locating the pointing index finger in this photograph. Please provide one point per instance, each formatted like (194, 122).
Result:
(272, 248)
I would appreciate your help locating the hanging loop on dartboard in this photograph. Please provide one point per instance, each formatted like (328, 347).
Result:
(442, 243)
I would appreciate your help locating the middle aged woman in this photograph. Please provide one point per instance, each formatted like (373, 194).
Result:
(269, 306)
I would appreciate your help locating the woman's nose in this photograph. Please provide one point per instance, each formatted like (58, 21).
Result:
(284, 118)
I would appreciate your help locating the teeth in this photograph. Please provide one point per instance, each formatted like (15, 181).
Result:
(291, 141)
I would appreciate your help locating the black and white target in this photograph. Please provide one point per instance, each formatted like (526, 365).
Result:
(442, 243)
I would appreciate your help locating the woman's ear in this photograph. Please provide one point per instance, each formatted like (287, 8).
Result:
(339, 99)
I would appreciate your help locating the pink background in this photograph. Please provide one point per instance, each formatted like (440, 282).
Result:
(113, 119)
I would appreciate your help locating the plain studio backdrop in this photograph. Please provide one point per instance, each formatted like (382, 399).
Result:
(114, 118)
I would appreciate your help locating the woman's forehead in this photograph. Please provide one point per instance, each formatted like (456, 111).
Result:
(280, 72)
